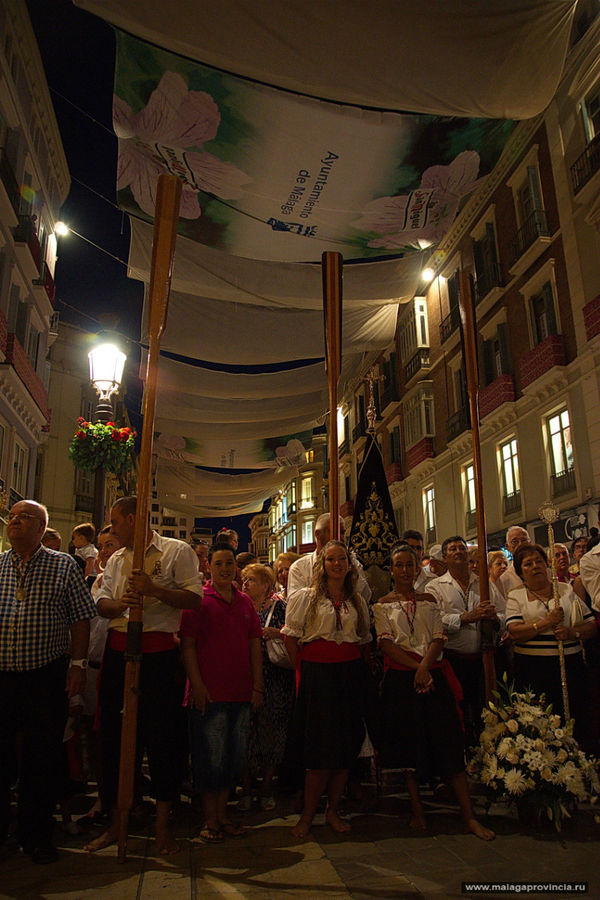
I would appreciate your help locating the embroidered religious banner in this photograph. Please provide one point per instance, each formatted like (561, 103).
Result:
(270, 174)
(374, 531)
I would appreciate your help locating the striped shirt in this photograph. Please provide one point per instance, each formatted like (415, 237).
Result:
(40, 600)
(521, 610)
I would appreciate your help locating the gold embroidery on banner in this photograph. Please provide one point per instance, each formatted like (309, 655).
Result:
(373, 539)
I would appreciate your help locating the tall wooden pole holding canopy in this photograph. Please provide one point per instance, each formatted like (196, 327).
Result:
(331, 266)
(467, 315)
(163, 248)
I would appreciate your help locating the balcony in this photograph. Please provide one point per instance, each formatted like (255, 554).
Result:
(449, 325)
(586, 165)
(591, 318)
(534, 363)
(16, 356)
(563, 483)
(529, 241)
(14, 497)
(84, 503)
(344, 448)
(471, 519)
(45, 281)
(487, 280)
(10, 197)
(359, 431)
(393, 473)
(512, 503)
(389, 395)
(458, 422)
(417, 362)
(422, 450)
(27, 247)
(500, 390)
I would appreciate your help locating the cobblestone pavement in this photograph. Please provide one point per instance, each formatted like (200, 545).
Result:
(380, 859)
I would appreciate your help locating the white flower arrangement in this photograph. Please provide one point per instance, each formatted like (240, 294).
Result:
(525, 756)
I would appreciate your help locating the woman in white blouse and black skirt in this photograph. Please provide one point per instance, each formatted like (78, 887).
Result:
(327, 625)
(421, 731)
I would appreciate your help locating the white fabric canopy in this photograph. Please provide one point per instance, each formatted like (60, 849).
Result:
(238, 334)
(201, 493)
(361, 180)
(206, 272)
(499, 58)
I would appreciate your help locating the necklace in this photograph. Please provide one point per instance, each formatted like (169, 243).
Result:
(338, 606)
(545, 602)
(410, 611)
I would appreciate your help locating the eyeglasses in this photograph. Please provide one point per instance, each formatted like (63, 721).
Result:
(16, 517)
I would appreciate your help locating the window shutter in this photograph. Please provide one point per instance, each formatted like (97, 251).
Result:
(453, 291)
(478, 259)
(487, 354)
(504, 348)
(549, 308)
(534, 188)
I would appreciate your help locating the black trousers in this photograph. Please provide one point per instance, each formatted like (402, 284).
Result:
(470, 674)
(35, 704)
(161, 722)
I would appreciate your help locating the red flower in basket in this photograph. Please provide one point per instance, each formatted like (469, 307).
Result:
(116, 436)
(110, 425)
(80, 435)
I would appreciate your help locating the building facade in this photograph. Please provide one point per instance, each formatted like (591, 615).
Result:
(66, 491)
(294, 510)
(529, 239)
(34, 182)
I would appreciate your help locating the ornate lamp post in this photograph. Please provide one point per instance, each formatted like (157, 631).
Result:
(107, 362)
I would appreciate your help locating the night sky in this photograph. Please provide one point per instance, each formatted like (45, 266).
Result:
(78, 53)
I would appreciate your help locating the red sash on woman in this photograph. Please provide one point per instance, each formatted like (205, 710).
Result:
(323, 651)
(447, 671)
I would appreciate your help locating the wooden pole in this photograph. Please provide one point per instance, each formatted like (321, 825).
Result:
(331, 265)
(467, 315)
(163, 248)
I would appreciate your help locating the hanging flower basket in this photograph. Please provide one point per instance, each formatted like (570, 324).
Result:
(526, 757)
(102, 446)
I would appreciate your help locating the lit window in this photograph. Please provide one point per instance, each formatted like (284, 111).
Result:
(429, 513)
(561, 448)
(510, 467)
(307, 501)
(308, 531)
(470, 488)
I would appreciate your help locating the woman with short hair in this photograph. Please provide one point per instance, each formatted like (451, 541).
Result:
(536, 625)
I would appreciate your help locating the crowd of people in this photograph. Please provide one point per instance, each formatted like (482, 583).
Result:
(253, 675)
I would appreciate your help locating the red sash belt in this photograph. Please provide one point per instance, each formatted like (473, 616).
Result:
(322, 651)
(152, 641)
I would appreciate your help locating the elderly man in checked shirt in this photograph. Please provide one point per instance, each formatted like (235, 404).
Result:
(45, 608)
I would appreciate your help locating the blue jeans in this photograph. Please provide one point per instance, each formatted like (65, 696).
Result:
(219, 743)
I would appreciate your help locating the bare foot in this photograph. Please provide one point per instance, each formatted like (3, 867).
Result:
(417, 823)
(478, 829)
(302, 827)
(107, 838)
(335, 822)
(165, 844)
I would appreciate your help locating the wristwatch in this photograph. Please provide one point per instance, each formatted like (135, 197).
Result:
(79, 663)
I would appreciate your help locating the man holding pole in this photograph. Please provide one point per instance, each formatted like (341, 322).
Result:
(169, 583)
(458, 596)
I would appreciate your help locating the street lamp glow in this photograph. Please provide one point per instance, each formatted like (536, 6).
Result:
(106, 369)
(61, 229)
(427, 275)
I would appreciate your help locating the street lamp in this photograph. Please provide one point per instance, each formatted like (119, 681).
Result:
(107, 362)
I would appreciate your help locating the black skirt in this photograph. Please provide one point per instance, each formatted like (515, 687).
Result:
(328, 725)
(542, 675)
(420, 732)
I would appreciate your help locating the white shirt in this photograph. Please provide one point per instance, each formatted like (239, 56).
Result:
(172, 564)
(323, 625)
(463, 637)
(589, 569)
(423, 579)
(393, 622)
(301, 573)
(508, 581)
(521, 610)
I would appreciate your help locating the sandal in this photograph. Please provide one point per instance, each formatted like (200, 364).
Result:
(210, 835)
(232, 830)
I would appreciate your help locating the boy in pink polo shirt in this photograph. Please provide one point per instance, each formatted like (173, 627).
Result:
(221, 650)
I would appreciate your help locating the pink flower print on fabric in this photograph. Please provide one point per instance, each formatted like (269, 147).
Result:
(168, 135)
(427, 212)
